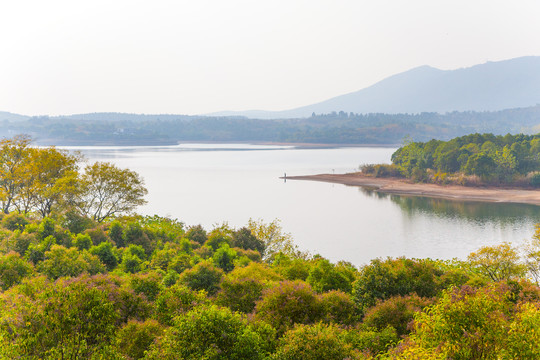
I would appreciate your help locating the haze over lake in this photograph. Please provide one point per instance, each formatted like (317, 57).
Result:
(211, 183)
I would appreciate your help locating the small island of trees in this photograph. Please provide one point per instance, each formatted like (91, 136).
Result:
(467, 160)
(82, 277)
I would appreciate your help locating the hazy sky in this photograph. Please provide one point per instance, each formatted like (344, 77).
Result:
(188, 57)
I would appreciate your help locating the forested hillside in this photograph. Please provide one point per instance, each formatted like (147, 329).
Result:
(331, 128)
(80, 282)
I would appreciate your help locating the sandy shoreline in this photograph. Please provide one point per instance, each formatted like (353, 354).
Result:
(452, 192)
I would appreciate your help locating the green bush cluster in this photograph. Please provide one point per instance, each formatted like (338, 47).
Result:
(493, 159)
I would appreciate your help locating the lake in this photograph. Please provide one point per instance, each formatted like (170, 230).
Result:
(210, 184)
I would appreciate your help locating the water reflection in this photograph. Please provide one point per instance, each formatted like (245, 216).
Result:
(503, 213)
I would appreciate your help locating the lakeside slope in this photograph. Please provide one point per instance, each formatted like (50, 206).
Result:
(451, 192)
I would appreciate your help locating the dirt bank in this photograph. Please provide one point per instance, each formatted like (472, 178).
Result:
(452, 192)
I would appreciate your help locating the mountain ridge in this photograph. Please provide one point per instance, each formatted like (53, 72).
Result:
(492, 86)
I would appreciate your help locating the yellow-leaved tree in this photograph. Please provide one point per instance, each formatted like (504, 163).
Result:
(500, 262)
(106, 190)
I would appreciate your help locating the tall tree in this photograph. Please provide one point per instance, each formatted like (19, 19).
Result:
(13, 163)
(55, 178)
(107, 190)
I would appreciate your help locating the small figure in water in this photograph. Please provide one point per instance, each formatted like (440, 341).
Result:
(284, 177)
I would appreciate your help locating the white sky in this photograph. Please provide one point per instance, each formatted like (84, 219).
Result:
(200, 56)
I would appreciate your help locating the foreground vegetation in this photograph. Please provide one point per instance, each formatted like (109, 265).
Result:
(76, 285)
(151, 288)
(468, 160)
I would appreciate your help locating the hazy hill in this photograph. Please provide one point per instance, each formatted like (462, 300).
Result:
(4, 115)
(487, 87)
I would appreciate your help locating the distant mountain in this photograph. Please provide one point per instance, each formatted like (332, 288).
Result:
(491, 86)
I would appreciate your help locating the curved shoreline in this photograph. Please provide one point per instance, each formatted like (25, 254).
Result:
(450, 192)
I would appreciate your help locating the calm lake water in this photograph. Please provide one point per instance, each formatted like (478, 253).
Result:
(210, 184)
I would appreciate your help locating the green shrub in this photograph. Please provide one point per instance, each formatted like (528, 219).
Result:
(98, 235)
(116, 234)
(466, 323)
(106, 254)
(219, 236)
(59, 262)
(209, 333)
(338, 307)
(535, 180)
(315, 342)
(244, 239)
(134, 338)
(224, 257)
(203, 276)
(240, 294)
(14, 221)
(197, 233)
(75, 222)
(176, 300)
(373, 341)
(20, 241)
(397, 312)
(382, 279)
(170, 278)
(324, 276)
(66, 320)
(180, 263)
(289, 303)
(148, 284)
(82, 242)
(13, 269)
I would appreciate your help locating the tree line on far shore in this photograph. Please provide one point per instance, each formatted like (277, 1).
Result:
(332, 128)
(471, 159)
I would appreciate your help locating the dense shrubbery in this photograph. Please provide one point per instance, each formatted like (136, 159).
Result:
(161, 294)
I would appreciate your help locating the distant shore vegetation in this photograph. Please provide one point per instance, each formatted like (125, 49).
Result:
(476, 159)
(76, 285)
(332, 128)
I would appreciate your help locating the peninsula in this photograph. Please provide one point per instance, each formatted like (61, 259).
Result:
(451, 192)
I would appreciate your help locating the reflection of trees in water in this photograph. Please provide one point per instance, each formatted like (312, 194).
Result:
(503, 213)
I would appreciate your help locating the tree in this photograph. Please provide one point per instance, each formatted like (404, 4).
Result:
(203, 276)
(54, 179)
(209, 332)
(481, 164)
(465, 323)
(532, 255)
(13, 269)
(60, 261)
(135, 337)
(13, 163)
(176, 300)
(244, 238)
(69, 319)
(314, 342)
(273, 237)
(108, 190)
(382, 279)
(499, 262)
(287, 304)
(106, 255)
(324, 276)
(224, 257)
